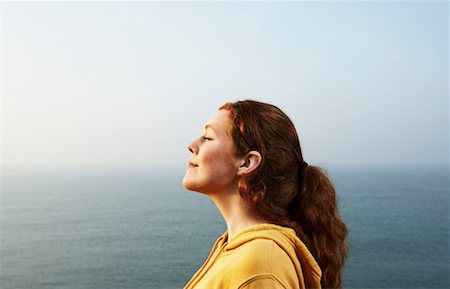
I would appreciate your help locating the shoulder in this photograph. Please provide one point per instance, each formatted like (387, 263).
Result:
(266, 281)
(261, 263)
(264, 254)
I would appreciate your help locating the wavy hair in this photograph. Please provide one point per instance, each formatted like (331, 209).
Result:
(284, 190)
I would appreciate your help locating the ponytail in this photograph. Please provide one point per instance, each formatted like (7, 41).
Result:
(320, 225)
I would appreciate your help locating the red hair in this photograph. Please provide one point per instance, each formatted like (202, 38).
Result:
(282, 191)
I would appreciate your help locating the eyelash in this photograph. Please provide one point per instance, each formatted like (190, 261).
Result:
(206, 138)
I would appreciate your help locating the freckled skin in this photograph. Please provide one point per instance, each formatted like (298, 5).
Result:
(217, 168)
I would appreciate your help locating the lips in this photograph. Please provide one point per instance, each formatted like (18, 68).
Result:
(192, 165)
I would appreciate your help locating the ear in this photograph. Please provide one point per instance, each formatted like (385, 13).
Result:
(249, 163)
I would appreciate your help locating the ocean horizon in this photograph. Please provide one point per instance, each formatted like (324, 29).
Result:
(139, 228)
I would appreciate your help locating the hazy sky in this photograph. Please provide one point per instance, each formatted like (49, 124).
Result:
(120, 83)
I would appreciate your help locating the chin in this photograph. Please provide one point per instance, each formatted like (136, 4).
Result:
(188, 184)
(192, 185)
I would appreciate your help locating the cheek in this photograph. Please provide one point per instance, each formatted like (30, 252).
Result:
(216, 172)
(218, 157)
(219, 163)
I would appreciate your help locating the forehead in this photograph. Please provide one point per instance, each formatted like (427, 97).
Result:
(220, 121)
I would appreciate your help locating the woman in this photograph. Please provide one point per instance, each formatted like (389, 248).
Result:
(283, 225)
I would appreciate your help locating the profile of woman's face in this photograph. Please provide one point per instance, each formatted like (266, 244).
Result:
(212, 168)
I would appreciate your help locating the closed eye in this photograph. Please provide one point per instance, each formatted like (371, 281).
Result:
(206, 138)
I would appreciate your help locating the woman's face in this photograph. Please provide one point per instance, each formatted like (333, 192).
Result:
(212, 168)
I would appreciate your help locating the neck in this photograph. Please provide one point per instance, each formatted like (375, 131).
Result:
(236, 212)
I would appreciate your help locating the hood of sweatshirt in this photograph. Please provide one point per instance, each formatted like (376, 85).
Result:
(307, 269)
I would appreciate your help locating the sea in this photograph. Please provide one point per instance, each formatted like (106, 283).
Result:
(117, 228)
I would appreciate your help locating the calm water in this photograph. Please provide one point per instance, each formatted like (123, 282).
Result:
(140, 229)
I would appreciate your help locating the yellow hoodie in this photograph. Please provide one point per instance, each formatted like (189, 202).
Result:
(264, 256)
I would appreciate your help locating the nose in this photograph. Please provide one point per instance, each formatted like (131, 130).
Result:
(193, 147)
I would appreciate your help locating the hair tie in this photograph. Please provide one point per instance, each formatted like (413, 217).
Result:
(300, 174)
(305, 164)
(301, 171)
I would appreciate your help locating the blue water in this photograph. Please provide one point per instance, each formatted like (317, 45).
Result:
(138, 228)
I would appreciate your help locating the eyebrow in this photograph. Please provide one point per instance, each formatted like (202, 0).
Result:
(209, 126)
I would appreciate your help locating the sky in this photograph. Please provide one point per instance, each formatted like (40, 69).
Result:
(131, 83)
